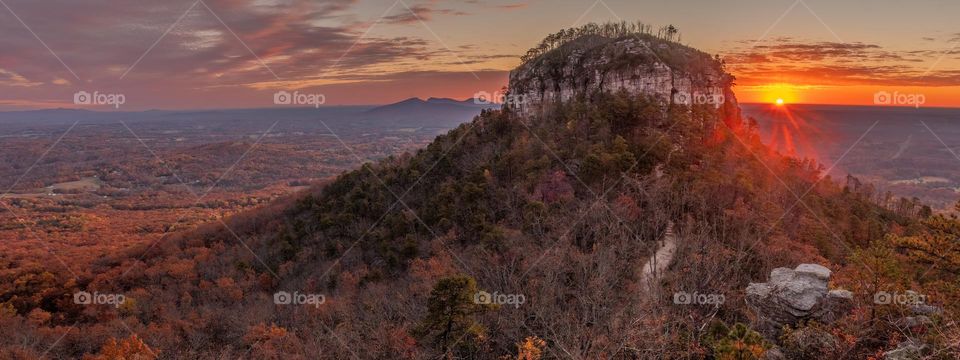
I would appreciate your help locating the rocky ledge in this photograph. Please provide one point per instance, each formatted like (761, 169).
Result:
(794, 295)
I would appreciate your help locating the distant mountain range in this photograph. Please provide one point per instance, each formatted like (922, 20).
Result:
(440, 112)
(414, 112)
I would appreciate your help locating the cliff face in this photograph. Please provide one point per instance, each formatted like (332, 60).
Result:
(668, 71)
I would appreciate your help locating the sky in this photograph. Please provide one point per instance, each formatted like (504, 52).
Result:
(202, 54)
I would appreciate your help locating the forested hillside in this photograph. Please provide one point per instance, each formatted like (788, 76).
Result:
(554, 215)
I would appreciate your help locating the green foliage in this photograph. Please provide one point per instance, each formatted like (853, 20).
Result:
(877, 266)
(449, 324)
(473, 182)
(610, 30)
(932, 252)
(738, 343)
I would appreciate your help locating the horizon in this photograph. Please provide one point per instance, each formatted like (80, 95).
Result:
(866, 106)
(225, 55)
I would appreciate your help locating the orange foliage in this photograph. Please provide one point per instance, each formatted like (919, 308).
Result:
(131, 348)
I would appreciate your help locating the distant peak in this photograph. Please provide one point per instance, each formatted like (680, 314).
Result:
(412, 100)
(447, 100)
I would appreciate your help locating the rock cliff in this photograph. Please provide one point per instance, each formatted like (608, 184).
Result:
(637, 64)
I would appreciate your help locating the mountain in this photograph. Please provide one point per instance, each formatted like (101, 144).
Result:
(437, 112)
(639, 64)
(434, 114)
(526, 233)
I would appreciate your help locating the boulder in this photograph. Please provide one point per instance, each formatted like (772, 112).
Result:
(907, 350)
(794, 295)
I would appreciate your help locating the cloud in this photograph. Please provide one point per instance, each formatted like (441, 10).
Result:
(100, 40)
(832, 63)
(514, 6)
(791, 50)
(231, 46)
(507, 6)
(418, 13)
(9, 78)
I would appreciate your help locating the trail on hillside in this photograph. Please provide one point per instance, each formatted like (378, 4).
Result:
(657, 263)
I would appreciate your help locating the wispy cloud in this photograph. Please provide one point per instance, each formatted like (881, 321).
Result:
(420, 12)
(297, 40)
(801, 62)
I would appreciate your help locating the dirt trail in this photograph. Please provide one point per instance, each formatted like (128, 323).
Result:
(658, 262)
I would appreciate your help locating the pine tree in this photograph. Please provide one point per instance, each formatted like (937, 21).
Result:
(450, 324)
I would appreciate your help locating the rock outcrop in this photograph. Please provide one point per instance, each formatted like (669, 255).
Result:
(640, 64)
(793, 295)
(908, 350)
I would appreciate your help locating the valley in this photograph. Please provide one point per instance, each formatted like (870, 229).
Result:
(82, 185)
(905, 152)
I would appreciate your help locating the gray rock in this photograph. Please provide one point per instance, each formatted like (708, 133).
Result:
(907, 350)
(814, 270)
(781, 275)
(928, 310)
(913, 321)
(836, 305)
(840, 293)
(798, 294)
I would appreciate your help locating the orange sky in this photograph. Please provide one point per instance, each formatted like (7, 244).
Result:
(239, 53)
(849, 95)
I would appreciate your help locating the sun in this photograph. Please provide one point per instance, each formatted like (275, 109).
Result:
(779, 102)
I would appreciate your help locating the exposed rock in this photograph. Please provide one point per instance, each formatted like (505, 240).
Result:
(795, 295)
(907, 350)
(837, 305)
(598, 64)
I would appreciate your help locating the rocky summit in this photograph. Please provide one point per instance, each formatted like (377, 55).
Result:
(637, 64)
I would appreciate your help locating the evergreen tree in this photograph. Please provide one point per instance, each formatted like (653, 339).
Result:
(450, 325)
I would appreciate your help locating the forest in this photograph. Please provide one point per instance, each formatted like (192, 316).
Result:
(427, 254)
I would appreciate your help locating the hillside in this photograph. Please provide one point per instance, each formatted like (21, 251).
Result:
(552, 213)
